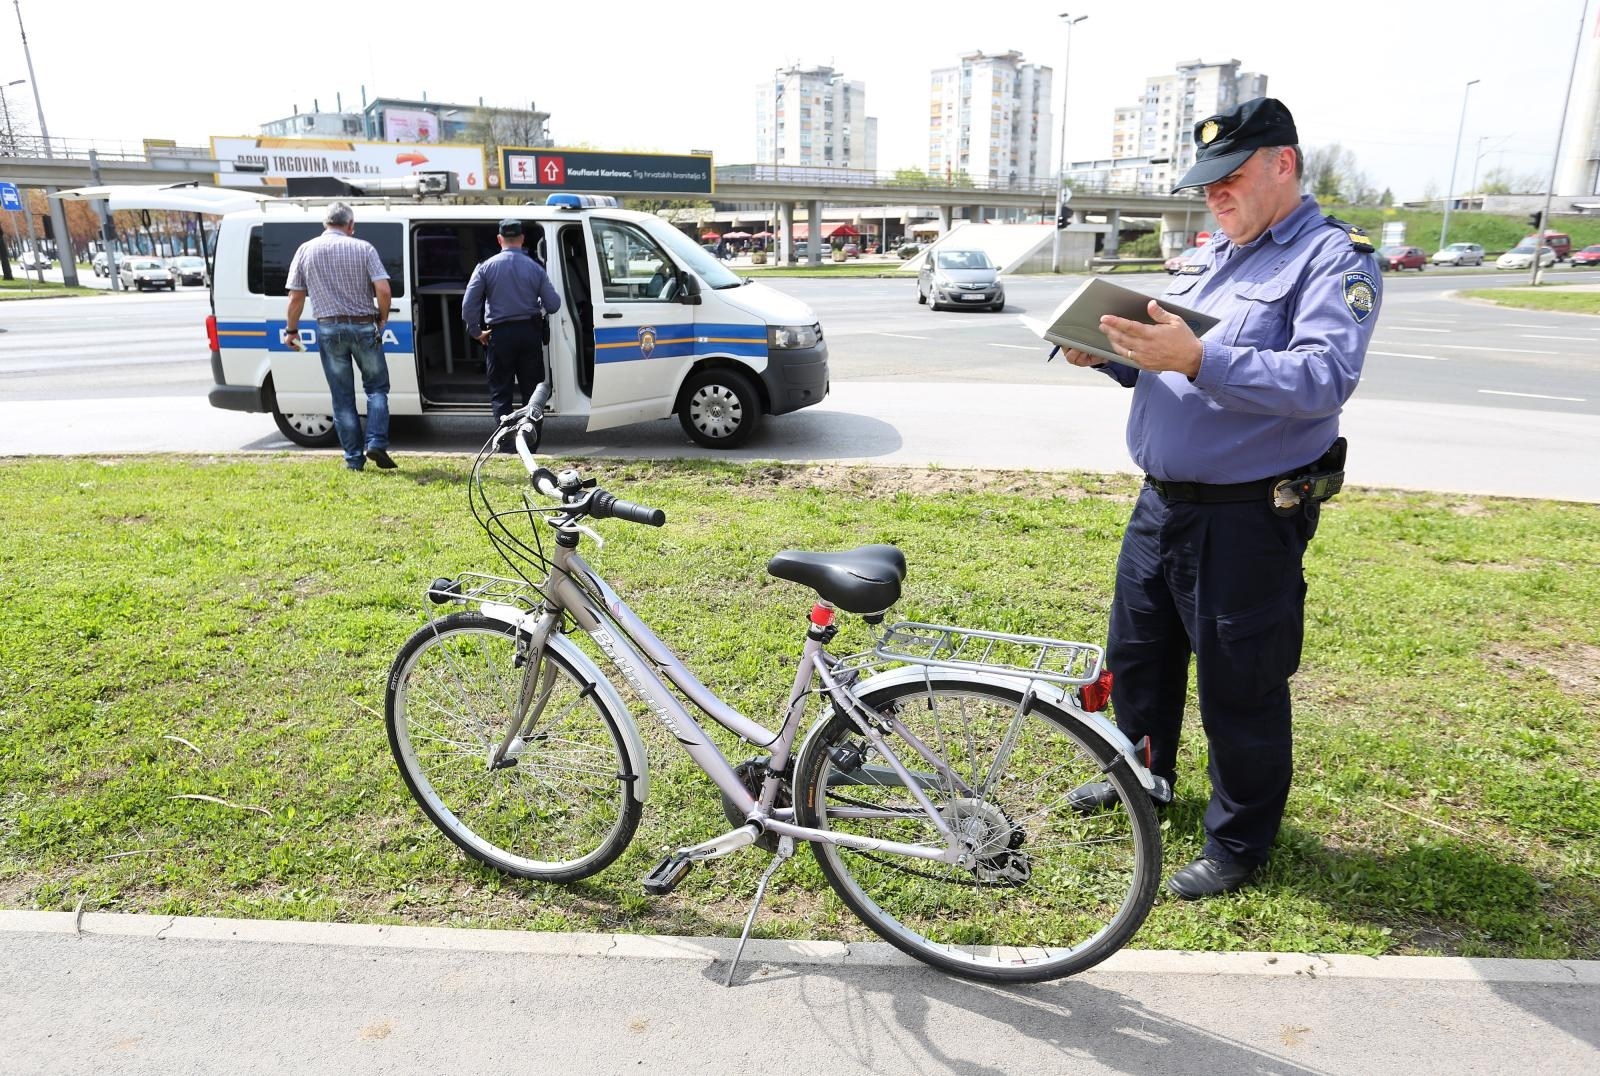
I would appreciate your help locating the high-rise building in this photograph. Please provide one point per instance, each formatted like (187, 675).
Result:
(813, 117)
(990, 118)
(1578, 174)
(1161, 124)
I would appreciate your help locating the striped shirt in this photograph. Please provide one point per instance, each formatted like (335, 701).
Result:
(337, 272)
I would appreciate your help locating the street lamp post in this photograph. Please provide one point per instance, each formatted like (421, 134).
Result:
(1061, 150)
(1555, 157)
(1481, 154)
(1450, 191)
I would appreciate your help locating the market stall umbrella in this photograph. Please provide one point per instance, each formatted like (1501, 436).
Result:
(737, 235)
(762, 235)
(709, 235)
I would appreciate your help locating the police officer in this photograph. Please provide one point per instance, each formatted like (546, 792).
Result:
(1238, 435)
(506, 303)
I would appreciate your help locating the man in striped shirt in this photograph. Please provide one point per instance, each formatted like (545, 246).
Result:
(344, 275)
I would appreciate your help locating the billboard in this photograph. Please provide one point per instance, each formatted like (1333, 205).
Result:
(583, 170)
(267, 162)
(409, 125)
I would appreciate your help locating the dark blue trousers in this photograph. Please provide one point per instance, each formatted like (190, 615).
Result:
(1221, 583)
(515, 352)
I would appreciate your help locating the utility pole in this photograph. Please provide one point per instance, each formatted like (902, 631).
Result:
(1555, 157)
(1061, 151)
(1450, 193)
(58, 215)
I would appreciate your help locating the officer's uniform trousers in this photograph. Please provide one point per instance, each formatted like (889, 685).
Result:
(515, 353)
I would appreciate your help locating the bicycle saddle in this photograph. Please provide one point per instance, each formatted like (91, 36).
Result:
(862, 580)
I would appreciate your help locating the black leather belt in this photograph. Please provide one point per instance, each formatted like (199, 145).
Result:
(342, 319)
(1209, 493)
(509, 321)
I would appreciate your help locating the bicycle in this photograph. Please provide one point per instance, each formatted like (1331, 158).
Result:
(932, 787)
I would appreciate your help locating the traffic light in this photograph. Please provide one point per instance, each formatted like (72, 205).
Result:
(1535, 219)
(1061, 218)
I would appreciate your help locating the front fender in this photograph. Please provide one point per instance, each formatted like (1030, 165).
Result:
(593, 678)
(1046, 694)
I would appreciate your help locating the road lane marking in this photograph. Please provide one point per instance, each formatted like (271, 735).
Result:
(1404, 355)
(1018, 347)
(1413, 329)
(1540, 336)
(1532, 395)
(1500, 350)
(902, 336)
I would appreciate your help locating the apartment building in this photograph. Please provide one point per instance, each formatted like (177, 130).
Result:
(990, 118)
(1160, 126)
(814, 117)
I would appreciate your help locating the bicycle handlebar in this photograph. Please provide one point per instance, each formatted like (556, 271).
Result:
(603, 505)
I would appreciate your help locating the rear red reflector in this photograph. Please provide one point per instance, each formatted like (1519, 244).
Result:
(211, 333)
(1142, 749)
(1095, 696)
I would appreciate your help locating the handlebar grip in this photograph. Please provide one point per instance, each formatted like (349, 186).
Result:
(605, 506)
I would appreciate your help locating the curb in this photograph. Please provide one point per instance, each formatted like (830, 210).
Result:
(769, 951)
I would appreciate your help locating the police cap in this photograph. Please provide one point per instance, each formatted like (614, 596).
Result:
(1225, 141)
(511, 227)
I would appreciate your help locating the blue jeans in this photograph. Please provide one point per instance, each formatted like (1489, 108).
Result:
(345, 346)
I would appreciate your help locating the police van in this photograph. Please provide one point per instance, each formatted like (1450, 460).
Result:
(650, 324)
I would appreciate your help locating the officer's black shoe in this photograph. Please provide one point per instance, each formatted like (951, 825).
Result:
(1092, 797)
(382, 458)
(1207, 877)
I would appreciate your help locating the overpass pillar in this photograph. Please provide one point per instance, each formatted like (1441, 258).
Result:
(1080, 216)
(1113, 224)
(975, 213)
(814, 233)
(946, 212)
(64, 249)
(785, 235)
(1178, 229)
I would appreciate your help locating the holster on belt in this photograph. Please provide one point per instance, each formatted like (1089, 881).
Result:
(1319, 481)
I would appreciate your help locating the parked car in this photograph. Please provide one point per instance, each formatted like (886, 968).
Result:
(145, 274)
(1177, 261)
(1589, 255)
(852, 250)
(32, 259)
(907, 250)
(1459, 254)
(959, 278)
(1398, 258)
(190, 270)
(1559, 242)
(1521, 256)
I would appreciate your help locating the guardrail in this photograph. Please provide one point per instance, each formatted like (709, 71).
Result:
(851, 177)
(31, 145)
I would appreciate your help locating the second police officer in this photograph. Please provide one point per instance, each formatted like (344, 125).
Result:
(1238, 436)
(507, 300)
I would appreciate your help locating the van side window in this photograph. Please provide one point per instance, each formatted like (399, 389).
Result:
(272, 247)
(633, 269)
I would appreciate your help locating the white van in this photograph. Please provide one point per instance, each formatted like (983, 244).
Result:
(650, 324)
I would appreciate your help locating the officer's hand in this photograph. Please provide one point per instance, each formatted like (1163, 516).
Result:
(1080, 358)
(1169, 344)
(483, 338)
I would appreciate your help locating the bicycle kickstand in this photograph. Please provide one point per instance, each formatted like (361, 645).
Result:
(785, 850)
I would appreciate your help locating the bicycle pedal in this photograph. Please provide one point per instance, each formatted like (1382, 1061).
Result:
(666, 875)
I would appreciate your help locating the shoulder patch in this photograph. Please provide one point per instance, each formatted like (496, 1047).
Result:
(1191, 270)
(1360, 294)
(1359, 240)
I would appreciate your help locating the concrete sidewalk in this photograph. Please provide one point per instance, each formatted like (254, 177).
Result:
(157, 994)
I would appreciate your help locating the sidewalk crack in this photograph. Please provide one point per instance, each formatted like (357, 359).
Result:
(170, 924)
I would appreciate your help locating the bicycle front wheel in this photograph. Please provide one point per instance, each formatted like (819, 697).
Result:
(1048, 891)
(561, 808)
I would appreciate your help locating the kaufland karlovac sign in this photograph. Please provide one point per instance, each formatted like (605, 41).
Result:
(583, 170)
(267, 162)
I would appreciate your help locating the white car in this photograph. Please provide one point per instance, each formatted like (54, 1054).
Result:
(145, 274)
(30, 259)
(1522, 258)
(1459, 254)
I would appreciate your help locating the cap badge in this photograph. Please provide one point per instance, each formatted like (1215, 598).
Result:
(1208, 132)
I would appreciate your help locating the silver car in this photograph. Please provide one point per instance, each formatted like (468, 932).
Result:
(1520, 257)
(141, 274)
(1459, 254)
(960, 278)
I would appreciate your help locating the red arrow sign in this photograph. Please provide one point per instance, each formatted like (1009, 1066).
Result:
(553, 171)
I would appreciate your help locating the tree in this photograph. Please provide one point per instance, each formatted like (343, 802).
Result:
(492, 128)
(1386, 199)
(1333, 175)
(1501, 180)
(910, 177)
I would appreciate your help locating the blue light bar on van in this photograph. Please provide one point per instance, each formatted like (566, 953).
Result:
(581, 201)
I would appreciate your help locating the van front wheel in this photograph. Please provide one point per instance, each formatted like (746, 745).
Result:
(719, 408)
(307, 431)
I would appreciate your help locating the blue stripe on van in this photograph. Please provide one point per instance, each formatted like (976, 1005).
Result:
(678, 340)
(397, 336)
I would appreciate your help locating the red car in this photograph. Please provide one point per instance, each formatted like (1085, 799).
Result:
(1587, 256)
(1398, 258)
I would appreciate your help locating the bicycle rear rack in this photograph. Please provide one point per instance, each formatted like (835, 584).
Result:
(945, 647)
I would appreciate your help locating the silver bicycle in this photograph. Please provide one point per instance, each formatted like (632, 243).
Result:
(933, 785)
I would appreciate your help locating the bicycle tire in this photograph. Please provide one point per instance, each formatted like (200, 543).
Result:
(1087, 889)
(564, 810)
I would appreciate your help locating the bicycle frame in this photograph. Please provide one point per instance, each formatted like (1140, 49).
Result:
(573, 587)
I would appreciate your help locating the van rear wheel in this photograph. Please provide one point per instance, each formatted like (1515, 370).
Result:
(719, 408)
(307, 431)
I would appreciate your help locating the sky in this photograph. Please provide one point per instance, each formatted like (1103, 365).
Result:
(1384, 81)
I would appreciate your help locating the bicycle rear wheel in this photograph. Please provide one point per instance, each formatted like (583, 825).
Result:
(563, 809)
(1051, 891)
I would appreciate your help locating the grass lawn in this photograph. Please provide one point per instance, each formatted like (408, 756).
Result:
(1544, 298)
(32, 289)
(222, 627)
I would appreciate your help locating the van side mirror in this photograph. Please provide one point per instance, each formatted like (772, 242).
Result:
(689, 292)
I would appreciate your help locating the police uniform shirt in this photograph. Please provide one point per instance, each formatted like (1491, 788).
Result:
(1296, 310)
(510, 286)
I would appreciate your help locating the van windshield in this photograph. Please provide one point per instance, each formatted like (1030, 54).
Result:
(690, 253)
